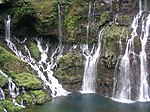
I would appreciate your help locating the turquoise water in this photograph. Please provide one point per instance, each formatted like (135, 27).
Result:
(89, 103)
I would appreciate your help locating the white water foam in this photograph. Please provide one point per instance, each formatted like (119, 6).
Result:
(90, 68)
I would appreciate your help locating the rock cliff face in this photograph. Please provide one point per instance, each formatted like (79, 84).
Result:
(31, 18)
(35, 17)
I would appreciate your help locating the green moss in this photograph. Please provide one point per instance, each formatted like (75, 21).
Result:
(1, 108)
(19, 12)
(15, 65)
(5, 56)
(10, 62)
(69, 68)
(3, 80)
(47, 18)
(35, 53)
(9, 106)
(114, 31)
(34, 96)
(40, 96)
(123, 17)
(61, 74)
(71, 23)
(27, 80)
(69, 60)
(116, 7)
(104, 17)
(111, 37)
(27, 99)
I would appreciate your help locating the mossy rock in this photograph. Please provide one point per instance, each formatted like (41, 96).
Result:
(124, 19)
(111, 37)
(9, 106)
(3, 80)
(69, 60)
(10, 62)
(40, 96)
(27, 80)
(35, 53)
(1, 108)
(104, 17)
(27, 99)
(47, 18)
(69, 67)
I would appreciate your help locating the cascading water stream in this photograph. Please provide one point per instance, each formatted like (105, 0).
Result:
(123, 81)
(7, 27)
(43, 66)
(123, 84)
(14, 91)
(1, 72)
(88, 21)
(4, 110)
(91, 57)
(90, 69)
(144, 87)
(2, 95)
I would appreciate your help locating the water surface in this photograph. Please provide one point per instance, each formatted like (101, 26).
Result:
(77, 102)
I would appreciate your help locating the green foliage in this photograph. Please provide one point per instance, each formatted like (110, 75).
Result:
(4, 56)
(10, 62)
(40, 96)
(19, 12)
(34, 96)
(112, 37)
(3, 80)
(69, 67)
(27, 99)
(47, 16)
(1, 108)
(71, 23)
(35, 53)
(104, 17)
(9, 106)
(69, 60)
(27, 80)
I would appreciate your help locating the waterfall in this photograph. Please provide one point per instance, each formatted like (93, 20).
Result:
(1, 72)
(2, 95)
(44, 67)
(90, 67)
(91, 57)
(120, 41)
(7, 27)
(88, 21)
(4, 110)
(13, 90)
(123, 84)
(124, 81)
(144, 87)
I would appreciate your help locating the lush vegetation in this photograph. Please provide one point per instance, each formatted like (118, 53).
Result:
(23, 78)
